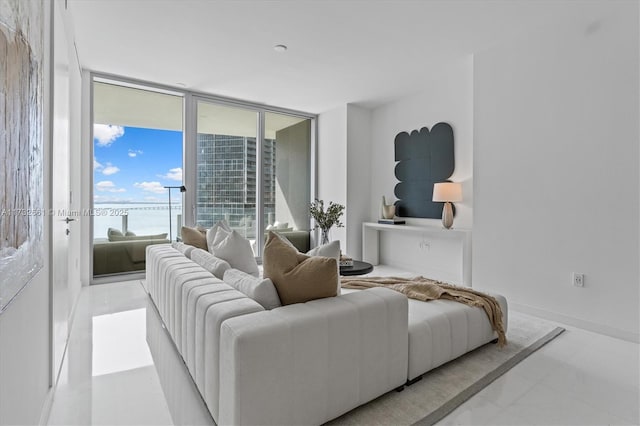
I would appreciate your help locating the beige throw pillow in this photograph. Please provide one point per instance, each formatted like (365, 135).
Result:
(331, 249)
(194, 237)
(298, 277)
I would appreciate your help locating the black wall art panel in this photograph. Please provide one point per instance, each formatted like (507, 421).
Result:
(424, 157)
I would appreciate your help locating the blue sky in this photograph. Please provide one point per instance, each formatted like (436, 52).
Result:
(133, 164)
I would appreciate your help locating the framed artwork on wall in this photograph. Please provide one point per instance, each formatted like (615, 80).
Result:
(423, 158)
(21, 144)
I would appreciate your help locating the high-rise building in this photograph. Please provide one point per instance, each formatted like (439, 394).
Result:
(226, 182)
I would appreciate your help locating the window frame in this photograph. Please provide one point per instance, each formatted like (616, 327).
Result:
(190, 166)
(189, 155)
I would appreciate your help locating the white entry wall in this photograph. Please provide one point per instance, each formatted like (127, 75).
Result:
(556, 172)
(344, 170)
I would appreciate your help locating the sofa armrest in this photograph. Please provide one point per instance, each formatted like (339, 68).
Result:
(311, 362)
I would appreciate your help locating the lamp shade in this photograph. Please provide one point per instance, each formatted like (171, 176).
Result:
(447, 191)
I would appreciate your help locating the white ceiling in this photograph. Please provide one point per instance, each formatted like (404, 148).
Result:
(340, 51)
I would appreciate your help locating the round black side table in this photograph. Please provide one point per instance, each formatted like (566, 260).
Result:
(358, 268)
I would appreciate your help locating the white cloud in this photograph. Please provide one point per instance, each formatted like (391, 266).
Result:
(134, 153)
(106, 134)
(173, 174)
(110, 169)
(108, 186)
(96, 165)
(155, 187)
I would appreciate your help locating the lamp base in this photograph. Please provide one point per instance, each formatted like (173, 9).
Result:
(447, 215)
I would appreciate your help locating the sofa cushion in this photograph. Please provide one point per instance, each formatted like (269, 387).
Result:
(194, 237)
(209, 262)
(236, 250)
(308, 363)
(213, 232)
(298, 277)
(138, 237)
(441, 330)
(261, 290)
(183, 248)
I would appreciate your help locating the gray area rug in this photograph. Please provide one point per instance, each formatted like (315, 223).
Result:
(442, 390)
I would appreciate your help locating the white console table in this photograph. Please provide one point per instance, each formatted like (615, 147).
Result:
(455, 244)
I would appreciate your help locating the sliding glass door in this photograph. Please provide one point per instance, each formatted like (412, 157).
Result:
(254, 171)
(247, 164)
(227, 167)
(137, 173)
(287, 177)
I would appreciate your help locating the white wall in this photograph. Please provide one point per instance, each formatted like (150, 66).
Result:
(556, 172)
(66, 127)
(25, 325)
(332, 162)
(344, 170)
(358, 177)
(24, 353)
(75, 139)
(85, 170)
(448, 98)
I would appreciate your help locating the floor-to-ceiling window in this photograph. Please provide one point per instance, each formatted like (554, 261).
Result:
(287, 176)
(248, 164)
(137, 173)
(226, 167)
(254, 171)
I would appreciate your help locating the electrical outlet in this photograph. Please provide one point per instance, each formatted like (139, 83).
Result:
(578, 279)
(424, 245)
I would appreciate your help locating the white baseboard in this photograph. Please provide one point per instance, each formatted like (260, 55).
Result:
(577, 322)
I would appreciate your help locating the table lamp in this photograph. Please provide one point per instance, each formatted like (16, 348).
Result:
(447, 192)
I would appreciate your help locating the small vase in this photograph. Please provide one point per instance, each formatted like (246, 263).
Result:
(325, 236)
(388, 211)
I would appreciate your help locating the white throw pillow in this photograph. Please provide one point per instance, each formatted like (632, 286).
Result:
(236, 250)
(280, 225)
(209, 262)
(331, 249)
(261, 290)
(213, 231)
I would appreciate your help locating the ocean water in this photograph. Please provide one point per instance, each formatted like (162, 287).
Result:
(142, 219)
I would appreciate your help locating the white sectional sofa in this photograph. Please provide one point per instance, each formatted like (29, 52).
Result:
(304, 363)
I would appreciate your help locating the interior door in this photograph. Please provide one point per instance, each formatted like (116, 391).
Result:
(60, 228)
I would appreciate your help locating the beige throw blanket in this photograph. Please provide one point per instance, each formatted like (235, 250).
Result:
(425, 289)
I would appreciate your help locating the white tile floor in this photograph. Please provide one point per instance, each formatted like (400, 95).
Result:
(121, 369)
